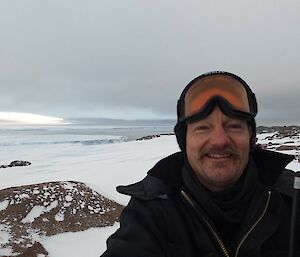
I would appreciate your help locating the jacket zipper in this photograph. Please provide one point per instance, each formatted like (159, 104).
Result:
(254, 225)
(215, 234)
(212, 230)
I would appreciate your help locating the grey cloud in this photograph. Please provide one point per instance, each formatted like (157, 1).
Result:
(74, 58)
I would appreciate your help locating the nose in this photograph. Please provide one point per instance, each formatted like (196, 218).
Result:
(219, 137)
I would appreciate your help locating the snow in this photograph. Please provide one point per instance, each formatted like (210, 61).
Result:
(102, 167)
(37, 211)
(90, 242)
(3, 205)
(4, 238)
(4, 234)
(22, 196)
(5, 252)
(59, 216)
(68, 198)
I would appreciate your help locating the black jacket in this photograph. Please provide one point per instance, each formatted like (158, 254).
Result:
(163, 220)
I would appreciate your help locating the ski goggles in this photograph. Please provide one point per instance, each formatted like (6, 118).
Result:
(226, 90)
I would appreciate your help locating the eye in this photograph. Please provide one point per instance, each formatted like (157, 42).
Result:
(236, 125)
(201, 128)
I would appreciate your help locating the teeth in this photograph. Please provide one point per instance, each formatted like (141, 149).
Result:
(219, 156)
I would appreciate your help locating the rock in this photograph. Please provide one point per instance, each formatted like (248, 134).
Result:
(264, 129)
(29, 213)
(16, 164)
(19, 163)
(147, 137)
(287, 147)
(282, 132)
(153, 136)
(37, 250)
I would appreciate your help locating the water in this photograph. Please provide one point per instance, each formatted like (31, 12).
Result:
(81, 132)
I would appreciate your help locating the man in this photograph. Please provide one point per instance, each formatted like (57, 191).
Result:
(221, 195)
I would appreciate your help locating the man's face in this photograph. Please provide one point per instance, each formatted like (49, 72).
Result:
(218, 149)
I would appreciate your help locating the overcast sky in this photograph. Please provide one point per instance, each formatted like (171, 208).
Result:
(131, 59)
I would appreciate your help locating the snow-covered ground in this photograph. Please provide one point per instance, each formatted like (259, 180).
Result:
(91, 242)
(102, 167)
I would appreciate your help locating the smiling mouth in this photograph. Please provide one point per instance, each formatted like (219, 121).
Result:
(219, 156)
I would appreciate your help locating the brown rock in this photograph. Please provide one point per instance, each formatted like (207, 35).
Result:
(16, 164)
(36, 250)
(287, 147)
(34, 211)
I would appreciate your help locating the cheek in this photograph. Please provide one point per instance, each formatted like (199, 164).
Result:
(243, 147)
(244, 144)
(242, 141)
(194, 153)
(192, 149)
(194, 145)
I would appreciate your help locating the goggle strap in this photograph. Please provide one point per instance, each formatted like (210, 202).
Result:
(225, 107)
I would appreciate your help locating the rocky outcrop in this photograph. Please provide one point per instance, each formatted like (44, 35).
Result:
(265, 129)
(36, 250)
(285, 139)
(16, 163)
(32, 212)
(280, 132)
(149, 137)
(288, 148)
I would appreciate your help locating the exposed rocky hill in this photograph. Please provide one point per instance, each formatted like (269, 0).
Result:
(29, 213)
(285, 139)
(281, 131)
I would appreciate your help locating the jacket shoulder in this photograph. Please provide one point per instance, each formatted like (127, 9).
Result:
(147, 189)
(285, 183)
(160, 181)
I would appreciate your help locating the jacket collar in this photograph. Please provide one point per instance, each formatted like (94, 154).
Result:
(270, 166)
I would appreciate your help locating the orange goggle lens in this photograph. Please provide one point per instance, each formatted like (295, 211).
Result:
(203, 90)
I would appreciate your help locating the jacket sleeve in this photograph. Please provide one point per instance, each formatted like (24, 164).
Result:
(141, 231)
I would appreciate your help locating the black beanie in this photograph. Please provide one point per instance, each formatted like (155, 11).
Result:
(180, 127)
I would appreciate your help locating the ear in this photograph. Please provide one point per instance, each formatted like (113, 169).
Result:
(253, 138)
(250, 130)
(180, 132)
